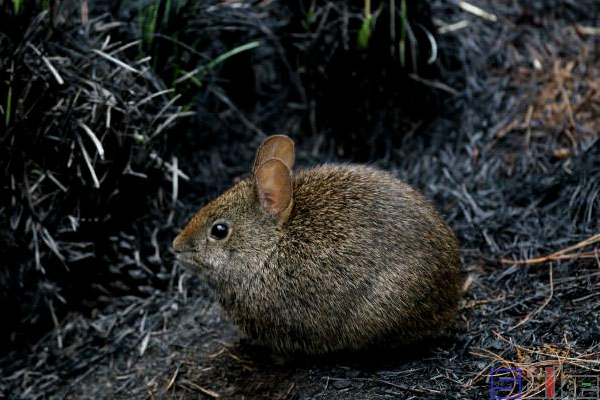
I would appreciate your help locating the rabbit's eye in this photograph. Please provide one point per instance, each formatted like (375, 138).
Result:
(219, 231)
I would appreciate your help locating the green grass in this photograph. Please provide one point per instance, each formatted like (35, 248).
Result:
(8, 107)
(233, 52)
(219, 59)
(364, 34)
(160, 16)
(147, 23)
(402, 44)
(18, 6)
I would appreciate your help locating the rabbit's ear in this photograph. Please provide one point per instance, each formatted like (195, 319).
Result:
(275, 146)
(274, 185)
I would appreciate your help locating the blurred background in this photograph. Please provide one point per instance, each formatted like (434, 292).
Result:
(119, 119)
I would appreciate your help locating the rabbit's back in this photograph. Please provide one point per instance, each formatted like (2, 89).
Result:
(363, 259)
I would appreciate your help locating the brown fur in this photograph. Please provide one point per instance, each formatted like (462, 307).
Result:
(361, 259)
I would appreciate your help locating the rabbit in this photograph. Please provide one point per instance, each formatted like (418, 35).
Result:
(333, 258)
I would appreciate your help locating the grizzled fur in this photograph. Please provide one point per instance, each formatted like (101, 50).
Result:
(362, 260)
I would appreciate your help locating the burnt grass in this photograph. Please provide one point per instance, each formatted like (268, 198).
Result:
(500, 132)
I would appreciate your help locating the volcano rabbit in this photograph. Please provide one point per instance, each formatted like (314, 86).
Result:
(337, 257)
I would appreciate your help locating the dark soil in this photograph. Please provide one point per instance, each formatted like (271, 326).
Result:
(512, 160)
